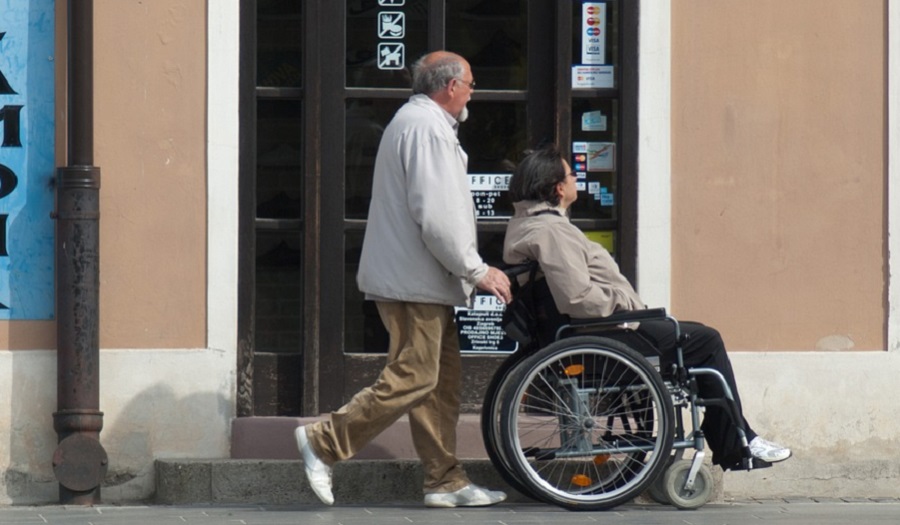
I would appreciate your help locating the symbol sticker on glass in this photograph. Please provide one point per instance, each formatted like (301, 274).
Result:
(601, 156)
(391, 24)
(391, 2)
(391, 56)
(593, 44)
(607, 199)
(593, 121)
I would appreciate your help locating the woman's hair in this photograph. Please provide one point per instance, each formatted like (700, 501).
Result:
(536, 177)
(430, 77)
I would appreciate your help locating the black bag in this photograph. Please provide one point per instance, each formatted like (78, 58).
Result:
(519, 320)
(532, 318)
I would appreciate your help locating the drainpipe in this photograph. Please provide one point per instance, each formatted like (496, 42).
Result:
(79, 462)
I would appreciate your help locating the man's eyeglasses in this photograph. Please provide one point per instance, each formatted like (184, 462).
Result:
(470, 84)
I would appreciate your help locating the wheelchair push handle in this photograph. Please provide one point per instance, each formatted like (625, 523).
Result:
(515, 270)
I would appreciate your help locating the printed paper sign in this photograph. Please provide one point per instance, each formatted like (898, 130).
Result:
(489, 181)
(593, 77)
(593, 33)
(607, 239)
(487, 190)
(480, 327)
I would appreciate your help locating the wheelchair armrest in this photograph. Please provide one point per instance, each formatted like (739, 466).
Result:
(623, 316)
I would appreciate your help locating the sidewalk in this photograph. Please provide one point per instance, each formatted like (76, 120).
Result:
(791, 512)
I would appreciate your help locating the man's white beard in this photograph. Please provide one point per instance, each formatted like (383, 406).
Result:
(463, 115)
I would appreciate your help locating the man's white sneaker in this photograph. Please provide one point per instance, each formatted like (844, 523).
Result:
(469, 496)
(768, 451)
(317, 472)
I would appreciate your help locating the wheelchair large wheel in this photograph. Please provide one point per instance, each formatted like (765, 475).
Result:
(587, 423)
(490, 423)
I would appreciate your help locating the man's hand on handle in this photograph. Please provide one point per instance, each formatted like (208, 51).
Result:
(496, 282)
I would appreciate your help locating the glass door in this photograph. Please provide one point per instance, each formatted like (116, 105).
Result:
(522, 53)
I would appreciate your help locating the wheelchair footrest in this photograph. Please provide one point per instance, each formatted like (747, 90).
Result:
(756, 464)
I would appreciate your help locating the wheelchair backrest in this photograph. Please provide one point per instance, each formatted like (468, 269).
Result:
(532, 317)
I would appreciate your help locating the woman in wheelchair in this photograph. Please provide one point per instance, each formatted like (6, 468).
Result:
(584, 282)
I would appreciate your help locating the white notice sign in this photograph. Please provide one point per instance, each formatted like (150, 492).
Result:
(593, 77)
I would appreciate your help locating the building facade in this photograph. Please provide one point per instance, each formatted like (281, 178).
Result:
(748, 155)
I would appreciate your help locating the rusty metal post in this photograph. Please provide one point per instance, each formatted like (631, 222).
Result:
(79, 462)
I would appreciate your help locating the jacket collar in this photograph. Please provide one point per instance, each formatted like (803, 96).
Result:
(530, 208)
(426, 102)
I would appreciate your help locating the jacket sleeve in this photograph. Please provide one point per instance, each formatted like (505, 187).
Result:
(561, 250)
(440, 201)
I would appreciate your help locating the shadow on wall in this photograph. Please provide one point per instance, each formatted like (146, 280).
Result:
(154, 423)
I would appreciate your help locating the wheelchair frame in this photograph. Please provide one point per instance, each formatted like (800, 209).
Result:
(560, 426)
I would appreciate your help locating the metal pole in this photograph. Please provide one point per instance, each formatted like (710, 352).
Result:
(79, 462)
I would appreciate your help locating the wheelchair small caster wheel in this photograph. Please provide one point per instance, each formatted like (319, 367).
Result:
(674, 480)
(657, 490)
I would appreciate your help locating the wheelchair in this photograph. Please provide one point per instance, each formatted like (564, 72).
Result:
(585, 422)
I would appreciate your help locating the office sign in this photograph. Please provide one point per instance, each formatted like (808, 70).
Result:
(27, 164)
(489, 193)
(481, 327)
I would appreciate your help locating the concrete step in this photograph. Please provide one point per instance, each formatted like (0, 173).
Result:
(282, 482)
(265, 468)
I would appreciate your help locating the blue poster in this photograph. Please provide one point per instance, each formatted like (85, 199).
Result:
(27, 164)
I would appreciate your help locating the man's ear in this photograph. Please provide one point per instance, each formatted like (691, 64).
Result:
(450, 87)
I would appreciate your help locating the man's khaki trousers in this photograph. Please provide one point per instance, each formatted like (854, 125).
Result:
(422, 378)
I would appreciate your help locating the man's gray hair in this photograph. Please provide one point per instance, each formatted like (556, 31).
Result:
(433, 77)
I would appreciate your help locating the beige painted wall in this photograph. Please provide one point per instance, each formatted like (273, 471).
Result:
(779, 171)
(150, 142)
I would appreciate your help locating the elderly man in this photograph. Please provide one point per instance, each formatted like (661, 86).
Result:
(419, 260)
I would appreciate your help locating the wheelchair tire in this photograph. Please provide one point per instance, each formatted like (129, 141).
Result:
(676, 476)
(587, 423)
(490, 423)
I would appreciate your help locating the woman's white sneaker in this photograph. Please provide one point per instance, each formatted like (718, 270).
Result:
(768, 451)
